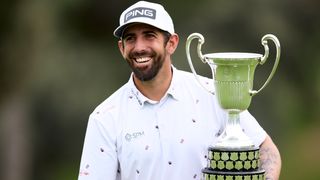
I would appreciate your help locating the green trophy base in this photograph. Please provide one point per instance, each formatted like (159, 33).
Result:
(233, 164)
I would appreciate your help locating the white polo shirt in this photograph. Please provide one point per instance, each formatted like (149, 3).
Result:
(131, 137)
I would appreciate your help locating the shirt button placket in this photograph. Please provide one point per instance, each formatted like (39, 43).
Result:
(157, 123)
(164, 135)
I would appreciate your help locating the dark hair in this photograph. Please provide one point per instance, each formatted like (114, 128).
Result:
(166, 36)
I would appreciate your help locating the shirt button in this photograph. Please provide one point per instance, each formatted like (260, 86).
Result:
(157, 127)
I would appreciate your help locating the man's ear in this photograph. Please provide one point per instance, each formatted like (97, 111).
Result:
(121, 46)
(173, 43)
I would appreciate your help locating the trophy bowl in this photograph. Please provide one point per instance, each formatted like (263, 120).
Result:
(233, 81)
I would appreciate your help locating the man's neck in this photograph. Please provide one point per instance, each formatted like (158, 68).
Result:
(156, 88)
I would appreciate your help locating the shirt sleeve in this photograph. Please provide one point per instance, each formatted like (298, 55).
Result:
(252, 128)
(99, 156)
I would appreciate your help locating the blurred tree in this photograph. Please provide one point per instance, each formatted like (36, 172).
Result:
(16, 159)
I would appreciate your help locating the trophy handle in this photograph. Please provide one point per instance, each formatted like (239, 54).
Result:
(264, 42)
(203, 59)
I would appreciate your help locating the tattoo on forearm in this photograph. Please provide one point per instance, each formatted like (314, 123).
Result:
(270, 160)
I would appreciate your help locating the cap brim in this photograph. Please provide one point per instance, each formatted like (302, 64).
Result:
(118, 32)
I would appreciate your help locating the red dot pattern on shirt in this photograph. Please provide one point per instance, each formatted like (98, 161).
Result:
(84, 172)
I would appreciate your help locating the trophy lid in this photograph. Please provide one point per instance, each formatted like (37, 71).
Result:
(233, 58)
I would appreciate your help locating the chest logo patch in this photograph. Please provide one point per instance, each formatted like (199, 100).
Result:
(131, 136)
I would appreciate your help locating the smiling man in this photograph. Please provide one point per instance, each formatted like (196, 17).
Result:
(147, 50)
(159, 124)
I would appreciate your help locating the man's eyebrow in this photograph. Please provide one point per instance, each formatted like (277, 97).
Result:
(144, 32)
(149, 32)
(127, 34)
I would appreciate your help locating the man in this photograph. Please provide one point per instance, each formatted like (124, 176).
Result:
(159, 125)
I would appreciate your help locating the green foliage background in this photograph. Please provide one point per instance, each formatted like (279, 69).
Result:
(59, 59)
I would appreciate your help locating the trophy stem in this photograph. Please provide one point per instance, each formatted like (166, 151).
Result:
(233, 136)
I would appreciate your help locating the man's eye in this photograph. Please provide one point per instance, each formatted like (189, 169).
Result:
(150, 35)
(128, 38)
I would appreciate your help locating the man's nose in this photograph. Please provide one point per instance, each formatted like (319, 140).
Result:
(140, 45)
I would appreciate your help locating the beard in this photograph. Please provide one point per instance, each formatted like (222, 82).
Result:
(149, 71)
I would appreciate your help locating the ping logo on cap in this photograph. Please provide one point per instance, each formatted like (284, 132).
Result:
(140, 12)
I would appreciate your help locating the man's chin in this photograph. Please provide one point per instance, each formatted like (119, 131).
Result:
(144, 76)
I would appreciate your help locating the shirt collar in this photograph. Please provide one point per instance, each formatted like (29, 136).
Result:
(173, 90)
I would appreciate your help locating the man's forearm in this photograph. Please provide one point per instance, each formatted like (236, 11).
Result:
(270, 159)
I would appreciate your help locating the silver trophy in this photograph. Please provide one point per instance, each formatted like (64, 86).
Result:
(234, 156)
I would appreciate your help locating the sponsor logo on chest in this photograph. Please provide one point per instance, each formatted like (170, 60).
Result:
(134, 135)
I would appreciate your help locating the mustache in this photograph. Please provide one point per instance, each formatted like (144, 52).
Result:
(141, 54)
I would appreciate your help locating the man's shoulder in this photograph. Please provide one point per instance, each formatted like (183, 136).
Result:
(190, 80)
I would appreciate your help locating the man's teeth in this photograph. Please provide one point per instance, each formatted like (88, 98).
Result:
(142, 60)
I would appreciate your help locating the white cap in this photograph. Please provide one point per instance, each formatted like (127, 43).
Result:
(147, 13)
